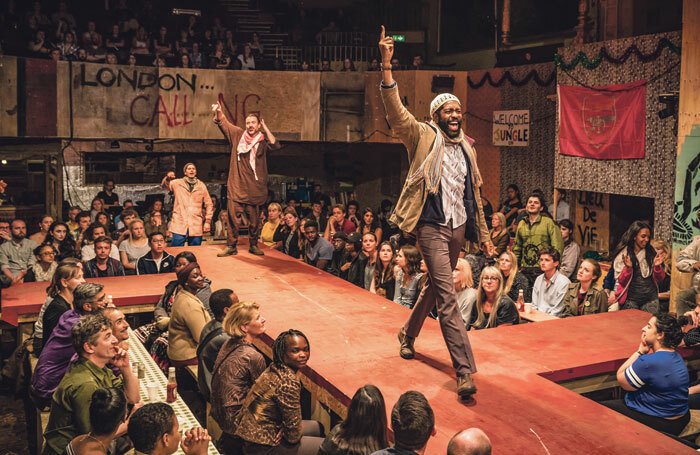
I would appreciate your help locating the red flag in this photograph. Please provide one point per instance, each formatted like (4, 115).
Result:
(604, 124)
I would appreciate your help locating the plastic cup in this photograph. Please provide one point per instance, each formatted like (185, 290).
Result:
(152, 390)
(528, 308)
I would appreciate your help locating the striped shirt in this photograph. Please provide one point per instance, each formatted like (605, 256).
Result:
(454, 174)
(661, 384)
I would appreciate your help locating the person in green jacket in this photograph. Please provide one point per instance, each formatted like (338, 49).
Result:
(534, 233)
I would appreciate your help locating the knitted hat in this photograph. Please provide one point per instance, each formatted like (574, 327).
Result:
(340, 235)
(184, 273)
(441, 99)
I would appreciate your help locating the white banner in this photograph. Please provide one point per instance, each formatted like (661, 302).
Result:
(511, 128)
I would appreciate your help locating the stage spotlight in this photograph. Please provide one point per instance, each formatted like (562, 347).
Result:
(670, 100)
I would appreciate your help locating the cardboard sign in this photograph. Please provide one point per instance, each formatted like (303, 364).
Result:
(511, 128)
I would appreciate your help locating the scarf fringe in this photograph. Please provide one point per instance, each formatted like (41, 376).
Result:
(432, 167)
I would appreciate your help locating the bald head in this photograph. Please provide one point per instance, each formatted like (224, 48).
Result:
(472, 441)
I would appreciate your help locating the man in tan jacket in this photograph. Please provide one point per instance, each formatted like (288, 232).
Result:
(440, 203)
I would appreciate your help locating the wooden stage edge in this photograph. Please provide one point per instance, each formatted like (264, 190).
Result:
(352, 334)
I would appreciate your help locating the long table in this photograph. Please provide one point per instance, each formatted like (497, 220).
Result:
(352, 336)
(187, 420)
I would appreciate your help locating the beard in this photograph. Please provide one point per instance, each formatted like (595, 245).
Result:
(445, 127)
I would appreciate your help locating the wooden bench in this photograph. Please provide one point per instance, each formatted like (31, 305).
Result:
(42, 417)
(693, 427)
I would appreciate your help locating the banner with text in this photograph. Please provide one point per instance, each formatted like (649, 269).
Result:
(511, 128)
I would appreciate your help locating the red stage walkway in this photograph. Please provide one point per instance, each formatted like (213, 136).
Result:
(353, 342)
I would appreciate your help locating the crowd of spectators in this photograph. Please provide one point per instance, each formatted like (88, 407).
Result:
(147, 34)
(192, 325)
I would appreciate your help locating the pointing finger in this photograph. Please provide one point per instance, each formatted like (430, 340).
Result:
(383, 33)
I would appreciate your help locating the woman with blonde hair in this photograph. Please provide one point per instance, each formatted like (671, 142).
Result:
(131, 249)
(465, 292)
(665, 284)
(272, 225)
(513, 280)
(499, 233)
(237, 367)
(493, 308)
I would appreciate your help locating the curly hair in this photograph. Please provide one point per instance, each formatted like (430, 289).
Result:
(671, 328)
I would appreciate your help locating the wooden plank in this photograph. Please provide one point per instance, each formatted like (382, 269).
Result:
(591, 218)
(8, 96)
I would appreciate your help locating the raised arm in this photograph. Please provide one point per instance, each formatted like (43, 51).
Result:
(268, 134)
(400, 119)
(226, 127)
(165, 183)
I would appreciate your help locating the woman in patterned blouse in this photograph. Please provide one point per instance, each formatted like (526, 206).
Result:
(269, 421)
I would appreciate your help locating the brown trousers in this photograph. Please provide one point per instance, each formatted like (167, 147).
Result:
(440, 247)
(252, 212)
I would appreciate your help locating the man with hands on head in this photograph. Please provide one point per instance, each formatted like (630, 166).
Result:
(247, 176)
(441, 203)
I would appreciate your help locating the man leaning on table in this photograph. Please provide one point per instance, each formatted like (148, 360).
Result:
(70, 406)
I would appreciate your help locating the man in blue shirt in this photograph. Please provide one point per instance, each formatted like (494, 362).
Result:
(551, 287)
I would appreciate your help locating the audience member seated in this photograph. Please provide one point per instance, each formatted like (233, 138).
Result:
(213, 337)
(338, 222)
(408, 275)
(464, 289)
(550, 288)
(288, 238)
(665, 284)
(352, 208)
(134, 247)
(269, 420)
(689, 258)
(471, 441)
(340, 254)
(60, 299)
(118, 223)
(103, 264)
(84, 220)
(534, 233)
(72, 222)
(96, 206)
(413, 423)
(272, 225)
(108, 420)
(4, 232)
(687, 298)
(318, 251)
(155, 430)
(55, 357)
(585, 296)
(369, 249)
(17, 255)
(638, 269)
(108, 197)
(94, 232)
(125, 218)
(45, 266)
(154, 336)
(571, 253)
(188, 317)
(157, 260)
(513, 280)
(246, 58)
(370, 223)
(364, 429)
(563, 208)
(383, 280)
(656, 379)
(103, 220)
(499, 233)
(353, 270)
(318, 215)
(156, 222)
(120, 326)
(492, 308)
(238, 365)
(70, 404)
(61, 241)
(44, 225)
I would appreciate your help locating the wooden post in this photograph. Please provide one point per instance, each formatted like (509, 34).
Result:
(583, 22)
(688, 141)
(505, 23)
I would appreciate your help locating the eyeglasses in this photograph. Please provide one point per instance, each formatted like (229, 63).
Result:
(491, 278)
(48, 253)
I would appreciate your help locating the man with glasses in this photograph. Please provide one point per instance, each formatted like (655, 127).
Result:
(4, 232)
(55, 357)
(157, 260)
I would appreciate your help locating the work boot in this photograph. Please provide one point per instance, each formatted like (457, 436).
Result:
(402, 335)
(230, 250)
(254, 249)
(406, 351)
(465, 386)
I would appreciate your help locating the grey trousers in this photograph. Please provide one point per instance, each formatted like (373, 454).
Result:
(440, 247)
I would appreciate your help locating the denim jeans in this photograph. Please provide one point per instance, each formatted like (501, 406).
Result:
(179, 240)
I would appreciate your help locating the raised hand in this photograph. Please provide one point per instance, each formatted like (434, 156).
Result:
(218, 114)
(386, 48)
(170, 175)
(659, 258)
(626, 259)
(195, 442)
